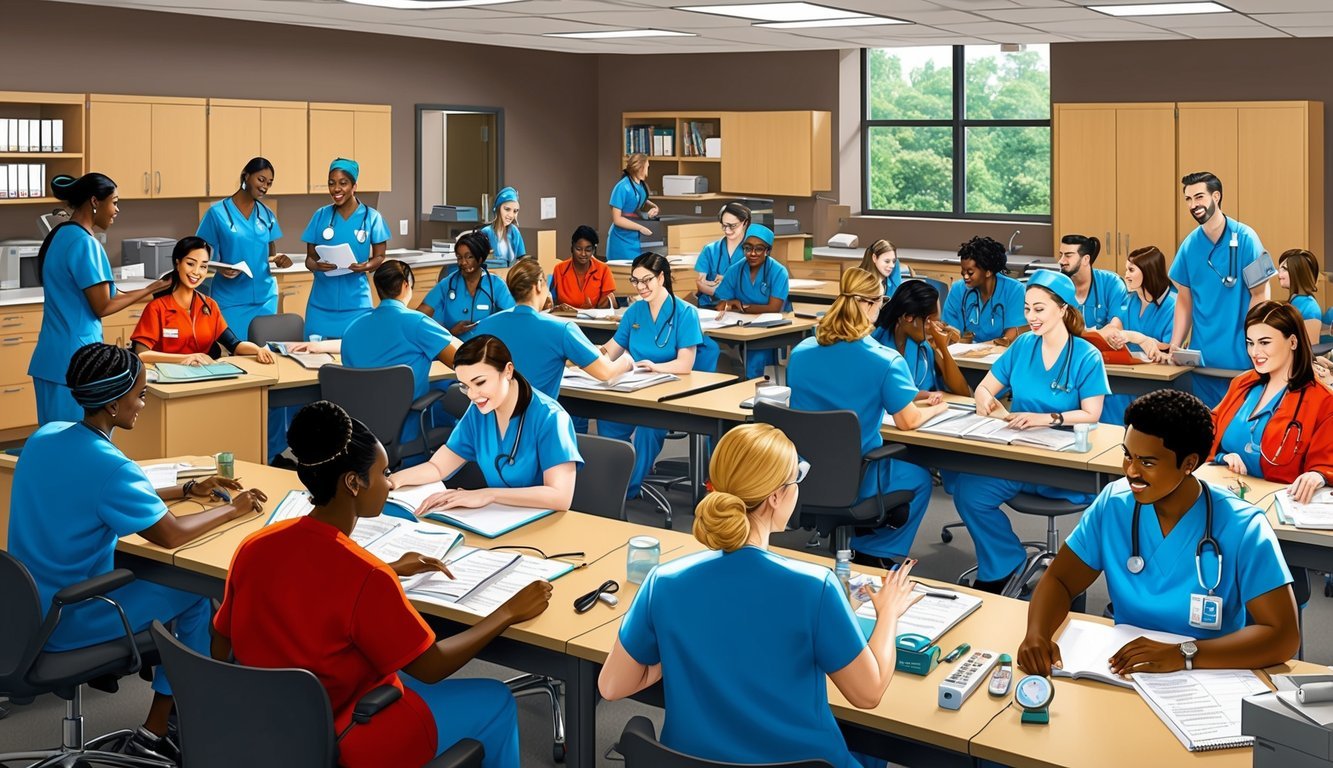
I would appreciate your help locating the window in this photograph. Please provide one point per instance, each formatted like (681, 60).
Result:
(957, 132)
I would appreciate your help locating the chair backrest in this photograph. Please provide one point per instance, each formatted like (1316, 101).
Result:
(455, 403)
(639, 744)
(232, 715)
(287, 326)
(379, 397)
(21, 607)
(831, 442)
(603, 480)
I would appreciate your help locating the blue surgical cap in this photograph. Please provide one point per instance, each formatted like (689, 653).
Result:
(506, 195)
(1057, 283)
(350, 167)
(761, 232)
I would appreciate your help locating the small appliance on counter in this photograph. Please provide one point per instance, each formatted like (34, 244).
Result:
(786, 226)
(684, 185)
(154, 253)
(18, 264)
(454, 213)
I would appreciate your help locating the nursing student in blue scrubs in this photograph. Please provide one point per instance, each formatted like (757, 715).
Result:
(1298, 272)
(628, 196)
(1056, 378)
(757, 285)
(242, 230)
(103, 496)
(1100, 293)
(521, 439)
(659, 332)
(843, 368)
(987, 304)
(335, 301)
(505, 239)
(79, 292)
(795, 629)
(1143, 319)
(1209, 275)
(881, 258)
(910, 325)
(1145, 532)
(470, 293)
(718, 256)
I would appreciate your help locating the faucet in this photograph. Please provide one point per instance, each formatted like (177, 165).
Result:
(1015, 248)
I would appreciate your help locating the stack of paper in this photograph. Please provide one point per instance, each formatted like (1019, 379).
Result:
(631, 381)
(483, 579)
(1317, 515)
(389, 538)
(1202, 706)
(340, 255)
(938, 611)
(802, 284)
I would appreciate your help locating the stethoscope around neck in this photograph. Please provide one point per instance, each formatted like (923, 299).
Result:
(361, 234)
(975, 295)
(268, 224)
(1294, 423)
(1065, 364)
(658, 341)
(481, 287)
(507, 459)
(1229, 279)
(1135, 563)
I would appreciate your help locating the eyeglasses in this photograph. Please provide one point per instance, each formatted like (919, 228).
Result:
(731, 227)
(541, 554)
(876, 302)
(747, 248)
(638, 281)
(802, 469)
(585, 603)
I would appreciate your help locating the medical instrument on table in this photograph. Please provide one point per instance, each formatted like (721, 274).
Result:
(966, 679)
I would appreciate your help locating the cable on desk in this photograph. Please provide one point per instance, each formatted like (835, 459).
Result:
(213, 534)
(987, 725)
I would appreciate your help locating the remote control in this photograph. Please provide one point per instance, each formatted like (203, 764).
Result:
(1002, 677)
(966, 679)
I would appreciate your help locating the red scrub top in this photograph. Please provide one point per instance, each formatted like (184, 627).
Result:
(1298, 442)
(166, 327)
(586, 294)
(301, 594)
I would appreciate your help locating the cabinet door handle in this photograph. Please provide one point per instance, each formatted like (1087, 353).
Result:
(158, 174)
(1107, 240)
(13, 390)
(11, 341)
(1126, 243)
(145, 182)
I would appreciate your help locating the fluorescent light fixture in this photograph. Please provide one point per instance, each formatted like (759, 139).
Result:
(613, 34)
(775, 11)
(864, 21)
(1159, 9)
(427, 5)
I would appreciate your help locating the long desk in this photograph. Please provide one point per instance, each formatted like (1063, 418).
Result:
(1131, 380)
(295, 385)
(202, 418)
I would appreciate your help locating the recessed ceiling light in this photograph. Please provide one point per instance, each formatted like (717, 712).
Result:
(775, 11)
(427, 5)
(620, 33)
(1159, 9)
(864, 21)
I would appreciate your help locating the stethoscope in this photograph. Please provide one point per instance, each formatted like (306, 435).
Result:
(1135, 562)
(921, 363)
(1065, 364)
(1096, 297)
(1229, 279)
(763, 283)
(1251, 445)
(508, 459)
(481, 287)
(361, 234)
(976, 299)
(267, 224)
(671, 320)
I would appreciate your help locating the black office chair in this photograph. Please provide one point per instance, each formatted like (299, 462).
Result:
(27, 671)
(1043, 552)
(284, 714)
(287, 326)
(639, 744)
(381, 398)
(831, 442)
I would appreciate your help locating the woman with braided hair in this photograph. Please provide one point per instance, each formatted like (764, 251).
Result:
(64, 543)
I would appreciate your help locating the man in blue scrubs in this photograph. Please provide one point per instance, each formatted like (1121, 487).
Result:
(1209, 274)
(1100, 293)
(1149, 534)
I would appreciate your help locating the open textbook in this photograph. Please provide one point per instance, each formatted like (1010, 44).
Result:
(711, 319)
(1086, 646)
(966, 424)
(630, 381)
(483, 579)
(1317, 514)
(309, 360)
(387, 538)
(490, 521)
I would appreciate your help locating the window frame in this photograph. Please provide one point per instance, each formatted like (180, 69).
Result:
(959, 125)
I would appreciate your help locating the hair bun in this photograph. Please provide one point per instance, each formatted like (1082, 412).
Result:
(720, 522)
(61, 185)
(320, 433)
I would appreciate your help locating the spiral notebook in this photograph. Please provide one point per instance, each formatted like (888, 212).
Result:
(1201, 706)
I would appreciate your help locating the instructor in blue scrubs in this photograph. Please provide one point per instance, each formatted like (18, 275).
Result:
(757, 285)
(718, 256)
(628, 196)
(987, 304)
(1178, 556)
(1056, 378)
(242, 230)
(1099, 292)
(1209, 274)
(335, 301)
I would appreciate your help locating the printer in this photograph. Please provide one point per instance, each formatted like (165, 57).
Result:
(18, 264)
(154, 253)
(1288, 734)
(684, 185)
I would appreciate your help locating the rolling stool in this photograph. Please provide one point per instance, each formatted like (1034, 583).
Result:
(1043, 551)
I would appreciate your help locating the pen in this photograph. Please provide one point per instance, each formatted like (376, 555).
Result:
(928, 592)
(957, 652)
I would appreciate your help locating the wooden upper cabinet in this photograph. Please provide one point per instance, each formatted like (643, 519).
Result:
(180, 150)
(1146, 184)
(240, 130)
(359, 132)
(777, 153)
(175, 131)
(120, 145)
(233, 138)
(1208, 140)
(284, 139)
(374, 149)
(1085, 148)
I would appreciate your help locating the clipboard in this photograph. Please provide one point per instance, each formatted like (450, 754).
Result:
(1111, 356)
(1259, 271)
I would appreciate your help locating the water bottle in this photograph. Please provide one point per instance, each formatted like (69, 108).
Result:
(842, 569)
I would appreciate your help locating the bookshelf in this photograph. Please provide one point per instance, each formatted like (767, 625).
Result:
(69, 108)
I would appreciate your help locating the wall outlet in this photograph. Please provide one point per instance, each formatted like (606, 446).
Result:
(548, 208)
(698, 209)
(791, 207)
(402, 226)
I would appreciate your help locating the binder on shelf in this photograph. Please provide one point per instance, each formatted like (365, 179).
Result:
(4, 134)
(23, 136)
(4, 180)
(36, 179)
(46, 135)
(57, 135)
(12, 171)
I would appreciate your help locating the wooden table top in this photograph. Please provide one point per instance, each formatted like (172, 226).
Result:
(287, 373)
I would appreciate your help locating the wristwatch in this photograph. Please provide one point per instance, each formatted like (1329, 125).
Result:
(1057, 419)
(1188, 649)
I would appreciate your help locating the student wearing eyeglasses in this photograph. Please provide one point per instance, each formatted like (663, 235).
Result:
(1056, 378)
(757, 285)
(843, 368)
(1276, 420)
(718, 256)
(766, 699)
(986, 304)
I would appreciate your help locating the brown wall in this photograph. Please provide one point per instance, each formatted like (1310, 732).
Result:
(1199, 70)
(548, 151)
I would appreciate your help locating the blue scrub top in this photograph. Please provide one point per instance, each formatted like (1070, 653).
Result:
(392, 334)
(66, 538)
(863, 375)
(350, 291)
(540, 345)
(1245, 432)
(505, 252)
(796, 629)
(918, 355)
(714, 260)
(492, 296)
(1155, 321)
(75, 260)
(894, 279)
(238, 240)
(1218, 312)
(659, 340)
(771, 281)
(1079, 369)
(1308, 307)
(1159, 597)
(629, 197)
(1105, 296)
(963, 309)
(547, 441)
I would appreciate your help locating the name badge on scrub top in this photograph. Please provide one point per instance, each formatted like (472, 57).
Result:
(483, 307)
(1206, 611)
(171, 333)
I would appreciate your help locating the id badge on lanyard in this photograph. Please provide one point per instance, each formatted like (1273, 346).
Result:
(1205, 611)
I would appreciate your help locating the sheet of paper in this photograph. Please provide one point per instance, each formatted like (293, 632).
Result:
(369, 529)
(1085, 646)
(524, 572)
(1202, 706)
(339, 255)
(1318, 514)
(491, 520)
(161, 475)
(597, 314)
(929, 616)
(239, 266)
(802, 284)
(295, 504)
(471, 568)
(412, 496)
(426, 539)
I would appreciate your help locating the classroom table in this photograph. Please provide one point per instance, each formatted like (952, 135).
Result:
(202, 418)
(1133, 380)
(821, 292)
(295, 385)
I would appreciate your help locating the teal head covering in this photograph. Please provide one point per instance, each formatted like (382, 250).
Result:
(1057, 283)
(761, 232)
(350, 167)
(506, 195)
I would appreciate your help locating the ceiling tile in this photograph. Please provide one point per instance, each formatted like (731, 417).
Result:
(1232, 33)
(1291, 20)
(1188, 21)
(938, 16)
(986, 28)
(1311, 31)
(1276, 6)
(1032, 15)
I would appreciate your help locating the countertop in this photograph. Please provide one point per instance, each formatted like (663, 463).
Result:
(1018, 263)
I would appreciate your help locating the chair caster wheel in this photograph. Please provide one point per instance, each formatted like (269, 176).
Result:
(946, 536)
(558, 752)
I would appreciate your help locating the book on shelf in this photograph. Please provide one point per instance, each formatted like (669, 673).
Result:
(483, 579)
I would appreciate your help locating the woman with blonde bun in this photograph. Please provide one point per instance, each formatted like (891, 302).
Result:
(734, 702)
